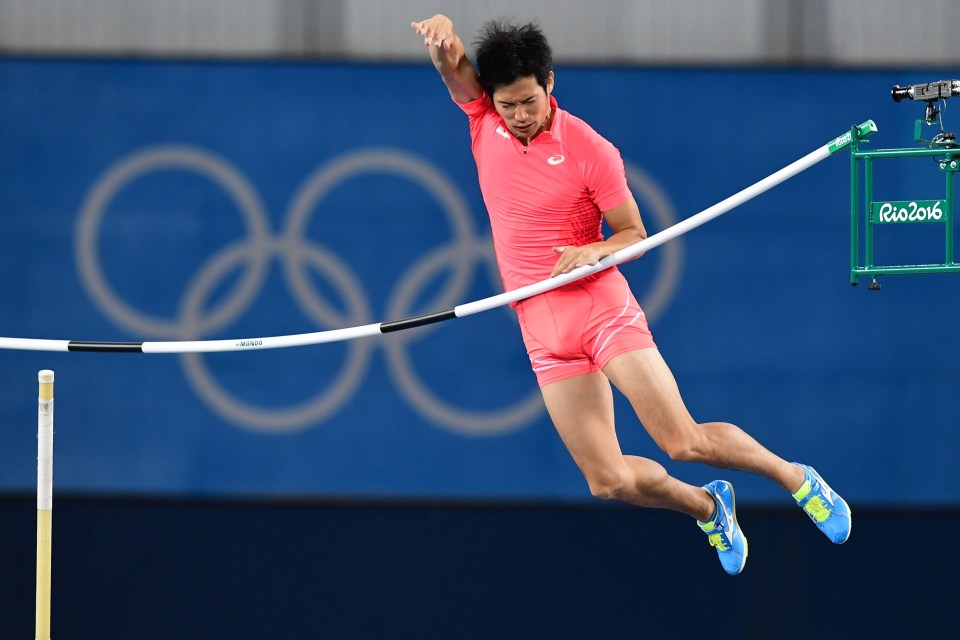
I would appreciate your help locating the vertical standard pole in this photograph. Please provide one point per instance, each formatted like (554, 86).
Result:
(854, 213)
(44, 501)
(948, 216)
(868, 200)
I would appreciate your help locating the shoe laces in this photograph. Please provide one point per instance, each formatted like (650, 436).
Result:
(717, 540)
(817, 509)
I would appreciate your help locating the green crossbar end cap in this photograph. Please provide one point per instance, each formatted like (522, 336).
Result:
(867, 128)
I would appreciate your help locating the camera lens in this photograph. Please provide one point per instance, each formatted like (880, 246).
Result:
(899, 93)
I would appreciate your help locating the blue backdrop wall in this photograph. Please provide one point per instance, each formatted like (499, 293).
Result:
(171, 201)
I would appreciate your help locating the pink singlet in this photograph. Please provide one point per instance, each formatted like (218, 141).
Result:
(553, 193)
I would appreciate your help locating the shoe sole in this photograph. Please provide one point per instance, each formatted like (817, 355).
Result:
(746, 545)
(850, 516)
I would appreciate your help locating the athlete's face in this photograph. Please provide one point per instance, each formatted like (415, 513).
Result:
(525, 106)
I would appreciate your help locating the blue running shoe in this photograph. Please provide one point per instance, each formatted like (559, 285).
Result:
(825, 507)
(722, 531)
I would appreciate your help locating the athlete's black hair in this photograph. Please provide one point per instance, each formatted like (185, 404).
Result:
(506, 52)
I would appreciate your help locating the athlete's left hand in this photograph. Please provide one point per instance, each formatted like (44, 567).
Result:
(573, 257)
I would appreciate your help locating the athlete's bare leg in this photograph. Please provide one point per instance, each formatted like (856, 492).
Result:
(581, 408)
(644, 378)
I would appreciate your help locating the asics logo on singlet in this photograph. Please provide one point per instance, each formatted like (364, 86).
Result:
(555, 159)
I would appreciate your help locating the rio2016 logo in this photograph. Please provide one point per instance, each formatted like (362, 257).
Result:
(908, 211)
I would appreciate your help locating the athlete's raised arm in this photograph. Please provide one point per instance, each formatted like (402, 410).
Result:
(449, 57)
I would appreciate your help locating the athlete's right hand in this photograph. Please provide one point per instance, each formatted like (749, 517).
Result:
(436, 31)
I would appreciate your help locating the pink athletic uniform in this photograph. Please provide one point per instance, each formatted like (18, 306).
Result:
(548, 194)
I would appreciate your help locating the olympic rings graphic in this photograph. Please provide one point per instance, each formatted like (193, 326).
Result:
(298, 256)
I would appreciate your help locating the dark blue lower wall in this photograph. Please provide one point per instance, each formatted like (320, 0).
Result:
(126, 568)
